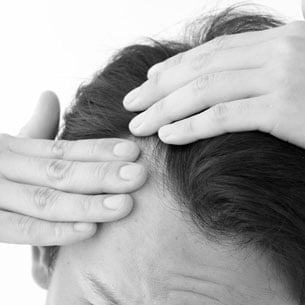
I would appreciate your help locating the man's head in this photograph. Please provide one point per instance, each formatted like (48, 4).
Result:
(220, 221)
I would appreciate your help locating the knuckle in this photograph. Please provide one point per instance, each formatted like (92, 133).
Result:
(59, 170)
(58, 230)
(60, 148)
(220, 111)
(203, 81)
(44, 198)
(99, 146)
(288, 97)
(159, 107)
(101, 170)
(87, 203)
(284, 75)
(243, 107)
(96, 147)
(24, 224)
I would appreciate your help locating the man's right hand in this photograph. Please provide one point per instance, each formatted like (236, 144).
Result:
(54, 192)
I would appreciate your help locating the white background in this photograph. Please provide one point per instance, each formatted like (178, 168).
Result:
(58, 44)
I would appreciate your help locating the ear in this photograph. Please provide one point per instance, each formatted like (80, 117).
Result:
(42, 262)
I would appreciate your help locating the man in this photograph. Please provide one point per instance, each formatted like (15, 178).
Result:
(33, 230)
(219, 221)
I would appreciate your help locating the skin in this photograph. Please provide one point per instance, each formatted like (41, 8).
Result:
(157, 256)
(51, 190)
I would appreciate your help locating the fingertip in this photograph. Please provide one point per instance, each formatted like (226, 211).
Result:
(66, 234)
(81, 231)
(128, 204)
(115, 207)
(134, 175)
(139, 125)
(128, 150)
(144, 176)
(130, 97)
(165, 134)
(132, 130)
(49, 95)
(45, 118)
(48, 101)
(137, 150)
(152, 70)
(128, 105)
(126, 208)
(125, 105)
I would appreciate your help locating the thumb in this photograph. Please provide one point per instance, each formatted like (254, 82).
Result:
(45, 119)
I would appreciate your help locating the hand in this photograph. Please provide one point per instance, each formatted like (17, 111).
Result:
(49, 190)
(250, 81)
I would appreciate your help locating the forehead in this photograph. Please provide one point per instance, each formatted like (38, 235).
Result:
(156, 250)
(145, 246)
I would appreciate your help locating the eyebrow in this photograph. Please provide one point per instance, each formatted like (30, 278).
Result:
(102, 290)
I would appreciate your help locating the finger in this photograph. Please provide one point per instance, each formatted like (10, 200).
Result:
(242, 115)
(171, 79)
(45, 119)
(19, 229)
(203, 92)
(230, 41)
(53, 205)
(69, 176)
(82, 150)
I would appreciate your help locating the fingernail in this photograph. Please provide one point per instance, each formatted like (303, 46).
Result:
(132, 171)
(134, 102)
(114, 202)
(131, 96)
(166, 133)
(83, 227)
(136, 122)
(123, 149)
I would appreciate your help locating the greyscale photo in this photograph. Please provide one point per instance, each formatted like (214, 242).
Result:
(164, 160)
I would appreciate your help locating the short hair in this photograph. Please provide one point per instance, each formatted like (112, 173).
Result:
(246, 187)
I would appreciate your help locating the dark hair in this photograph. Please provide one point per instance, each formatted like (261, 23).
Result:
(243, 187)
